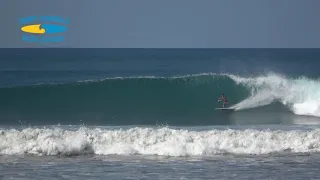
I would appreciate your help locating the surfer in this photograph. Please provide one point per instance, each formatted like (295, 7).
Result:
(224, 99)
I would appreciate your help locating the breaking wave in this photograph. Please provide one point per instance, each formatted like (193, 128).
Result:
(156, 141)
(301, 95)
(145, 100)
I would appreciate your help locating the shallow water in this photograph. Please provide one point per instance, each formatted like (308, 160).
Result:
(285, 166)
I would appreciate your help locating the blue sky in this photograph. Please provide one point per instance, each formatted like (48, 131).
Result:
(172, 23)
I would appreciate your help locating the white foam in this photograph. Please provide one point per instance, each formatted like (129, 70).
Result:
(301, 95)
(156, 141)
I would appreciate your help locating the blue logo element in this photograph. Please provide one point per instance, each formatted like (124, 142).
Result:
(52, 28)
(43, 29)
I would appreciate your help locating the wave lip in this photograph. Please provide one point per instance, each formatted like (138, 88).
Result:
(156, 141)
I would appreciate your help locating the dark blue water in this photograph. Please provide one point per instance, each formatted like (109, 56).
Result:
(36, 66)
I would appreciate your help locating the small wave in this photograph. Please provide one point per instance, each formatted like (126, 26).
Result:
(156, 141)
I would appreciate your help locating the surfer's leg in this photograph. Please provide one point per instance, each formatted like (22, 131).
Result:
(225, 103)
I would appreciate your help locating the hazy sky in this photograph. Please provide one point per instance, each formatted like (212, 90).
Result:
(171, 23)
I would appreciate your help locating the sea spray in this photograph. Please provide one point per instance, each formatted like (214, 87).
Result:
(301, 95)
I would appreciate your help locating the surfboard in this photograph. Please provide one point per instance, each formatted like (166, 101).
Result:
(225, 109)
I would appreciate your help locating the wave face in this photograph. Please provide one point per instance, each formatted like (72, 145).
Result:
(156, 141)
(150, 100)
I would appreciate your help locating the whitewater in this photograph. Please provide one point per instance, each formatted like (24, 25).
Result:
(301, 95)
(163, 141)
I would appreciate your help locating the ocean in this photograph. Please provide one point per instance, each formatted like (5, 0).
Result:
(150, 114)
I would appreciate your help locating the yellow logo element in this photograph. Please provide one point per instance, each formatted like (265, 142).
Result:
(35, 29)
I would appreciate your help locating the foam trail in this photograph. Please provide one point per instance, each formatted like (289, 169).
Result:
(156, 141)
(301, 95)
